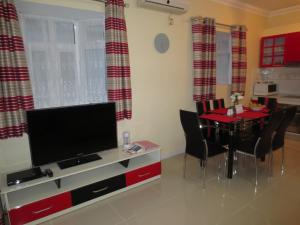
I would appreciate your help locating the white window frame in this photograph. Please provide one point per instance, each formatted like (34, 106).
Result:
(223, 77)
(80, 65)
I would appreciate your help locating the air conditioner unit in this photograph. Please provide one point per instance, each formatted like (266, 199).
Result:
(171, 6)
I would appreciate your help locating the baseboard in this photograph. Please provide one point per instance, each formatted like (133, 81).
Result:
(292, 136)
(169, 154)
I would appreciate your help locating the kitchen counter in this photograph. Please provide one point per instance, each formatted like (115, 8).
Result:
(286, 99)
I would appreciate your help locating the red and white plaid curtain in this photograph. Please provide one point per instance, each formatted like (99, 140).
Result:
(15, 87)
(204, 55)
(239, 59)
(117, 59)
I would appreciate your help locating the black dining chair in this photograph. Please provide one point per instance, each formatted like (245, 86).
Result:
(270, 103)
(203, 107)
(257, 146)
(219, 103)
(222, 133)
(196, 144)
(208, 129)
(278, 142)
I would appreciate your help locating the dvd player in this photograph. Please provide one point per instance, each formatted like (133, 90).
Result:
(23, 176)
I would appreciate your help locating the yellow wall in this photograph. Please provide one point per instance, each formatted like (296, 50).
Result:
(161, 83)
(281, 24)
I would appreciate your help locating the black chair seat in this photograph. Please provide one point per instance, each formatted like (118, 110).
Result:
(261, 145)
(264, 146)
(246, 145)
(278, 142)
(215, 149)
(210, 135)
(289, 114)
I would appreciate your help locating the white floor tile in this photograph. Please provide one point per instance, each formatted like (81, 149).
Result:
(174, 200)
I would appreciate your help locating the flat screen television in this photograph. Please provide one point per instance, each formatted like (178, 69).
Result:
(73, 132)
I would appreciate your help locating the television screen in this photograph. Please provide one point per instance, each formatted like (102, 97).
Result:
(57, 134)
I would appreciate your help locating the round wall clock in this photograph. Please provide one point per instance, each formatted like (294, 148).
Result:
(161, 43)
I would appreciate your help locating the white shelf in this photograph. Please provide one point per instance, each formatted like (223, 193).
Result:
(76, 177)
(108, 157)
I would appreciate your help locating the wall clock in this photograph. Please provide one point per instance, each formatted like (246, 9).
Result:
(161, 43)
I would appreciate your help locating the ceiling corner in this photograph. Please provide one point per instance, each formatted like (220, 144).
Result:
(244, 6)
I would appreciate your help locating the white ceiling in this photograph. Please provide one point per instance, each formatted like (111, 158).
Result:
(271, 5)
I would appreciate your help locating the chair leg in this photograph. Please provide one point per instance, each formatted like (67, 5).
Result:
(219, 170)
(282, 161)
(268, 162)
(271, 163)
(184, 165)
(204, 164)
(235, 159)
(225, 164)
(256, 173)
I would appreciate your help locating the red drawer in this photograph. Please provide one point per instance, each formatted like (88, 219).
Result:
(143, 173)
(39, 209)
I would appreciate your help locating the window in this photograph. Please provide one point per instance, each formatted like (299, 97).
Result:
(223, 58)
(66, 59)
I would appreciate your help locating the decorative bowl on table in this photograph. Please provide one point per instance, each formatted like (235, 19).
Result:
(256, 107)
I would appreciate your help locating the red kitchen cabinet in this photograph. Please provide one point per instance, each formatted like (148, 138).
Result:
(292, 48)
(280, 50)
(272, 51)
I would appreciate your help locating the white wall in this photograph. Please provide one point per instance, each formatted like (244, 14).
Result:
(161, 83)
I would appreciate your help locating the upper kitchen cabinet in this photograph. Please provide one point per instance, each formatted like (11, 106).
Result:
(292, 49)
(272, 51)
(280, 50)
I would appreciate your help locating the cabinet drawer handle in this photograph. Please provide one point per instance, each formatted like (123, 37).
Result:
(42, 210)
(100, 190)
(143, 175)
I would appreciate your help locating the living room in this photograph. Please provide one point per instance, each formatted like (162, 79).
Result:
(162, 84)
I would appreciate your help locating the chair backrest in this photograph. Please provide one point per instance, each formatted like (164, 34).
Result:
(265, 144)
(195, 144)
(270, 103)
(203, 107)
(219, 103)
(289, 114)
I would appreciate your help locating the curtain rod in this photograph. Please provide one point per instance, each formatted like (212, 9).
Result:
(219, 24)
(126, 5)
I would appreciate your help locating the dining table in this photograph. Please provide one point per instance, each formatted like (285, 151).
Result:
(231, 123)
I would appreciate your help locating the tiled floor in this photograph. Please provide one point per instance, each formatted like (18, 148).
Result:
(174, 200)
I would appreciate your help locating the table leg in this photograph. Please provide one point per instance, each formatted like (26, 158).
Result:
(230, 153)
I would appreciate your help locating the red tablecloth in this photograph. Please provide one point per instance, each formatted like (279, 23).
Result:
(252, 115)
(219, 118)
(223, 111)
(229, 119)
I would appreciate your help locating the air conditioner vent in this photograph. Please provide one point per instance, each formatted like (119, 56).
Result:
(171, 6)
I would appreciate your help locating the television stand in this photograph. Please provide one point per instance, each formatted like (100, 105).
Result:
(39, 200)
(78, 161)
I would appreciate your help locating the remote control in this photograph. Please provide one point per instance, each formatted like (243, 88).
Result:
(135, 148)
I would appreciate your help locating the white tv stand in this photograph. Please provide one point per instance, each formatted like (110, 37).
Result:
(41, 199)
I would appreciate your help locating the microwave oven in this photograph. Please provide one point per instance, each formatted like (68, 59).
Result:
(265, 88)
